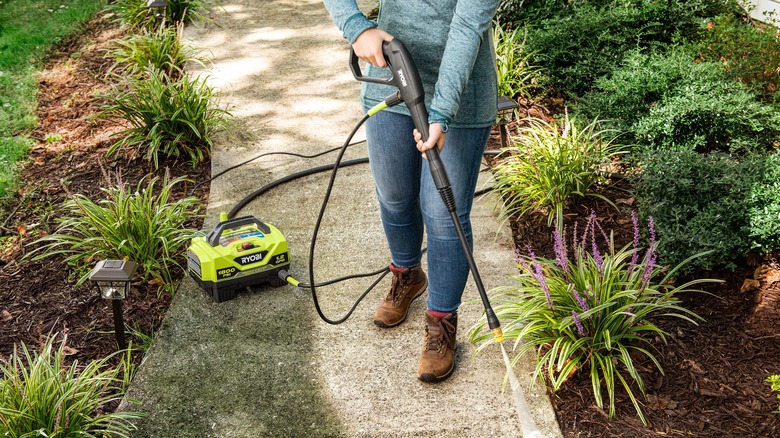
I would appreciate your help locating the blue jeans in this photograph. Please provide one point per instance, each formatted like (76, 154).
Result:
(410, 203)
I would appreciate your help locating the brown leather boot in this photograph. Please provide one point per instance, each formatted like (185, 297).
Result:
(408, 284)
(437, 361)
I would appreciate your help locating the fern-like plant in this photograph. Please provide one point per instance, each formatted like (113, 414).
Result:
(161, 49)
(166, 117)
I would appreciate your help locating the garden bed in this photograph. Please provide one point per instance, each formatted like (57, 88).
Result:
(714, 382)
(38, 298)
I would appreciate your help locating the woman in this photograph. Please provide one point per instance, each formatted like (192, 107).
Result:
(450, 42)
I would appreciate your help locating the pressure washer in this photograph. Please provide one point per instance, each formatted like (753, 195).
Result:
(246, 251)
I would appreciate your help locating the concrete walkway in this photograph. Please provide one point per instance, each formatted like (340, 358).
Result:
(264, 364)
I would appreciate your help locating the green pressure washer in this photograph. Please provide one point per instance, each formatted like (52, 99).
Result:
(237, 253)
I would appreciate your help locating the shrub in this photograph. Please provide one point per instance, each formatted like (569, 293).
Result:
(551, 166)
(166, 117)
(39, 396)
(722, 116)
(712, 202)
(161, 49)
(591, 42)
(515, 75)
(668, 101)
(141, 226)
(749, 52)
(590, 311)
(764, 203)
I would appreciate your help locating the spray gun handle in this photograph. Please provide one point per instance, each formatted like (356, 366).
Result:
(405, 77)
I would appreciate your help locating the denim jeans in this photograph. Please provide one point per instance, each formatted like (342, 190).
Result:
(409, 202)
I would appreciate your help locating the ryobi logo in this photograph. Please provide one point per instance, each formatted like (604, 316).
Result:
(401, 77)
(251, 258)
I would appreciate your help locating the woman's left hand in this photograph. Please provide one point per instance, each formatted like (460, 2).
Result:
(435, 138)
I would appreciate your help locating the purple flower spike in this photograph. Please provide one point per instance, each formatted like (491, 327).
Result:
(581, 301)
(561, 258)
(539, 275)
(635, 256)
(578, 323)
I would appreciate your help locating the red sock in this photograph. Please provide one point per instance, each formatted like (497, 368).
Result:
(438, 314)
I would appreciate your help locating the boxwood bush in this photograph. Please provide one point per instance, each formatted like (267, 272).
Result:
(714, 202)
(592, 41)
(669, 101)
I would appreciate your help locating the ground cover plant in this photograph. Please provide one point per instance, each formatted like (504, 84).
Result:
(590, 310)
(552, 165)
(41, 396)
(165, 117)
(143, 225)
(29, 28)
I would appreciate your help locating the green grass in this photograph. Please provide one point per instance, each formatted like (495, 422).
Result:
(28, 30)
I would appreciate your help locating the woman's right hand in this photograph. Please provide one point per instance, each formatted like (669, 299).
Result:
(368, 46)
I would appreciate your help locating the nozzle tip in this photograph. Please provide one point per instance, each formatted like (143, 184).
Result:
(498, 334)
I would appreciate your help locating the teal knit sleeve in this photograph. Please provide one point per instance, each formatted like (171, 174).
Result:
(470, 23)
(348, 18)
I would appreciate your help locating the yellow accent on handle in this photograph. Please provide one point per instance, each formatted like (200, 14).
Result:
(378, 107)
(223, 217)
(498, 334)
(292, 281)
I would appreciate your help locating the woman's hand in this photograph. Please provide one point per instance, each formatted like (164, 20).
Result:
(435, 138)
(368, 46)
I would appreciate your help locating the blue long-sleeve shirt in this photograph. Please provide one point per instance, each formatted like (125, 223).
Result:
(450, 41)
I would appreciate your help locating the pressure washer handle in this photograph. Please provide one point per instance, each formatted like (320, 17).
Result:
(404, 76)
(214, 235)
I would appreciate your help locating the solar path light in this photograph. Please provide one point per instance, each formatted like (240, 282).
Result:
(506, 112)
(112, 279)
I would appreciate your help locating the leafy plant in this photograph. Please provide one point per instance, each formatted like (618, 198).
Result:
(551, 165)
(590, 42)
(166, 117)
(40, 396)
(515, 75)
(705, 203)
(763, 203)
(775, 382)
(589, 311)
(161, 49)
(748, 51)
(668, 101)
(143, 226)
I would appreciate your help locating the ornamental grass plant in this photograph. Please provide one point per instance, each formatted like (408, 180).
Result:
(551, 165)
(516, 77)
(590, 310)
(144, 226)
(166, 117)
(161, 49)
(134, 14)
(42, 397)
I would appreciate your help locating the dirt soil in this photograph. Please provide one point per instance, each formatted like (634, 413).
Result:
(714, 372)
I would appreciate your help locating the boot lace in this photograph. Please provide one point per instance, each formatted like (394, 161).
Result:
(438, 335)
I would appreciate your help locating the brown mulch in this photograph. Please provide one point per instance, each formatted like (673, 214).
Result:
(39, 297)
(714, 372)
